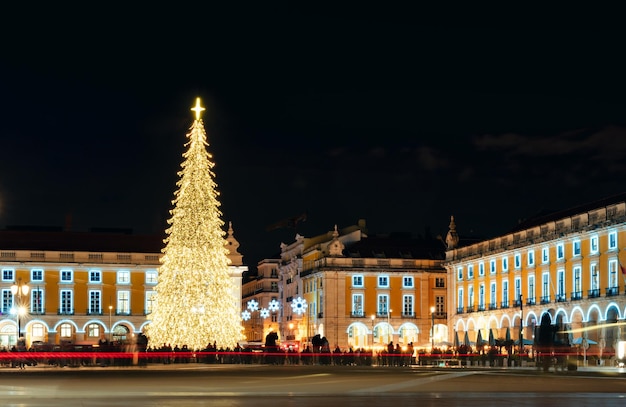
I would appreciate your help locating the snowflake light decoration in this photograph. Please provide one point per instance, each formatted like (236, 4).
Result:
(273, 306)
(298, 305)
(253, 305)
(264, 313)
(245, 315)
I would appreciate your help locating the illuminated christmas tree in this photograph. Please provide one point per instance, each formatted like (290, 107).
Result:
(194, 302)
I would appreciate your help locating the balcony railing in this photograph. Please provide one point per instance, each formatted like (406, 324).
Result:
(358, 314)
(530, 301)
(561, 298)
(460, 310)
(441, 315)
(517, 303)
(470, 308)
(122, 311)
(612, 291)
(576, 295)
(593, 293)
(65, 311)
(504, 304)
(408, 315)
(94, 312)
(481, 307)
(545, 299)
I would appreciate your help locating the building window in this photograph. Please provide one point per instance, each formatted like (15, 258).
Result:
(576, 248)
(66, 276)
(595, 276)
(66, 302)
(470, 297)
(492, 267)
(560, 252)
(357, 281)
(612, 273)
(493, 296)
(407, 282)
(577, 282)
(459, 273)
(93, 330)
(560, 285)
(123, 277)
(545, 255)
(7, 301)
(612, 240)
(36, 275)
(357, 305)
(518, 260)
(505, 293)
(470, 272)
(594, 244)
(151, 277)
(407, 306)
(37, 330)
(383, 281)
(150, 301)
(440, 305)
(383, 304)
(460, 298)
(481, 269)
(36, 301)
(440, 282)
(518, 288)
(123, 302)
(66, 331)
(531, 289)
(95, 276)
(531, 258)
(545, 288)
(7, 275)
(94, 302)
(481, 297)
(505, 264)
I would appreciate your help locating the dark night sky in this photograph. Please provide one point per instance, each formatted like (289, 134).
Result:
(342, 116)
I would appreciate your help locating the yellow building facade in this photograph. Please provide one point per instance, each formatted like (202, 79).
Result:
(565, 266)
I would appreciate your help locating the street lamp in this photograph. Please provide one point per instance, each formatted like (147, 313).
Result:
(18, 289)
(521, 326)
(432, 328)
(110, 327)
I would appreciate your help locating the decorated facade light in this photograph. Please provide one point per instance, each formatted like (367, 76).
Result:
(253, 305)
(246, 315)
(299, 305)
(264, 312)
(273, 306)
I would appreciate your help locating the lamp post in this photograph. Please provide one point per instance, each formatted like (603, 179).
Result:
(432, 328)
(110, 327)
(18, 289)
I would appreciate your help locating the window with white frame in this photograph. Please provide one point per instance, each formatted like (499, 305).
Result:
(560, 283)
(460, 297)
(407, 306)
(560, 251)
(66, 330)
(612, 240)
(481, 296)
(505, 293)
(470, 271)
(95, 276)
(440, 304)
(36, 275)
(95, 306)
(459, 273)
(531, 287)
(518, 260)
(383, 281)
(576, 248)
(150, 298)
(93, 330)
(67, 302)
(123, 302)
(612, 273)
(37, 330)
(493, 295)
(66, 276)
(595, 276)
(7, 301)
(481, 269)
(593, 244)
(577, 281)
(357, 305)
(36, 301)
(470, 296)
(151, 277)
(357, 281)
(8, 274)
(531, 258)
(505, 264)
(123, 277)
(518, 288)
(383, 304)
(545, 287)
(545, 255)
(407, 282)
(492, 266)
